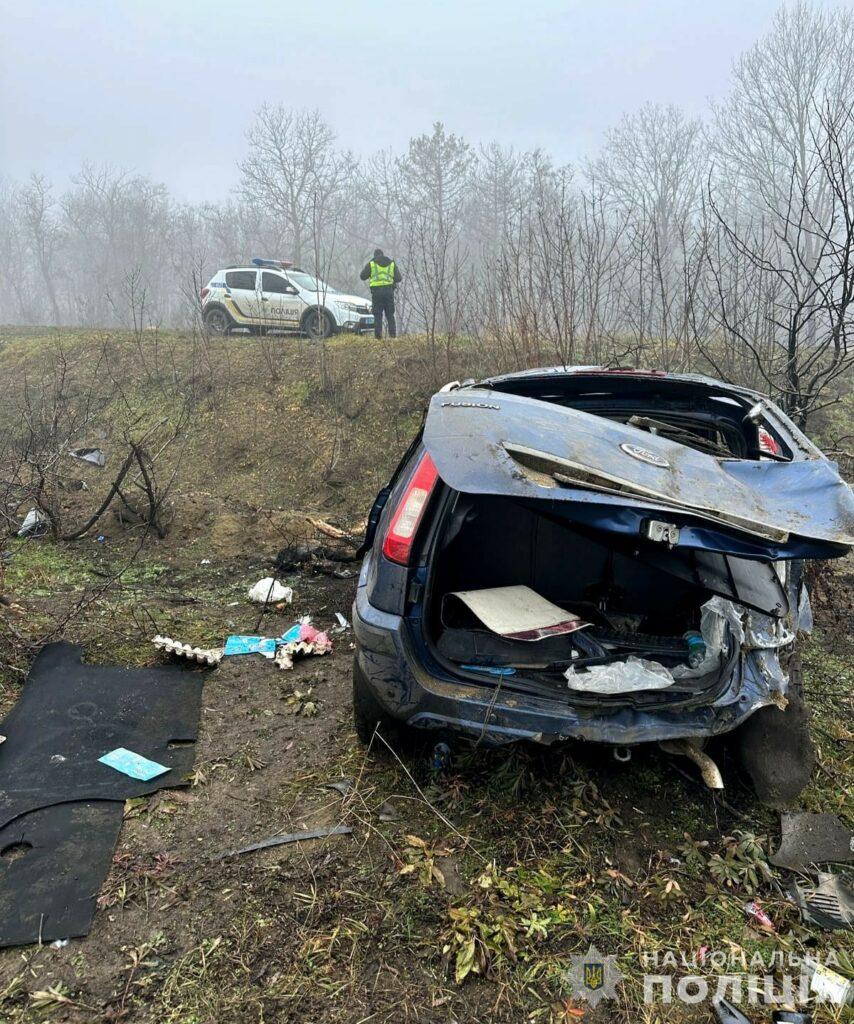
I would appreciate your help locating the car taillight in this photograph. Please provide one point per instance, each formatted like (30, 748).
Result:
(407, 517)
(204, 293)
(767, 442)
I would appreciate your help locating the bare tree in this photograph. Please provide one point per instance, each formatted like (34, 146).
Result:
(293, 169)
(43, 235)
(800, 258)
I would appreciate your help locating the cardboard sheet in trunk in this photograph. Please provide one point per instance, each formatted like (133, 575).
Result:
(519, 613)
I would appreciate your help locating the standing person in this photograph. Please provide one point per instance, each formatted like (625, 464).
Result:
(382, 275)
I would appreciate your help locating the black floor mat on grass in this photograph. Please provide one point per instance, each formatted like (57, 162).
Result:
(69, 714)
(52, 864)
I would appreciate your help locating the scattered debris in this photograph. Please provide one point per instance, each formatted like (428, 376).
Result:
(270, 591)
(708, 769)
(133, 765)
(59, 944)
(813, 839)
(343, 623)
(240, 644)
(300, 640)
(328, 529)
(757, 916)
(829, 986)
(94, 456)
(203, 655)
(342, 786)
(34, 525)
(388, 812)
(440, 758)
(727, 1012)
(295, 837)
(829, 904)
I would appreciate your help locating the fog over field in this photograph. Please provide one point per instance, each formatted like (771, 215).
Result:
(603, 179)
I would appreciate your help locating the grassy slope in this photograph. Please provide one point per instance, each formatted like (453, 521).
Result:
(560, 848)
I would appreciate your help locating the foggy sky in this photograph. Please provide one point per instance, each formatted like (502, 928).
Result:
(168, 88)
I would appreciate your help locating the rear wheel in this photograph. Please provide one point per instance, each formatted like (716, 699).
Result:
(217, 321)
(775, 745)
(370, 716)
(318, 324)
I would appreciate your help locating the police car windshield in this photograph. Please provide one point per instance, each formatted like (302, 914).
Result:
(309, 283)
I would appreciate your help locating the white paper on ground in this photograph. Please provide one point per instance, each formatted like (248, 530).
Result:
(519, 613)
(620, 677)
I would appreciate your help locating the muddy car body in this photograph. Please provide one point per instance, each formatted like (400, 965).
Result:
(655, 507)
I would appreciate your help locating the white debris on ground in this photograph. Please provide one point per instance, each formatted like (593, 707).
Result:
(270, 591)
(203, 655)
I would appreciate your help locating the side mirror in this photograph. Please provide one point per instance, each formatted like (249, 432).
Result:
(291, 290)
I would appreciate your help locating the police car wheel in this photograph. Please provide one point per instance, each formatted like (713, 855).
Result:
(217, 321)
(318, 324)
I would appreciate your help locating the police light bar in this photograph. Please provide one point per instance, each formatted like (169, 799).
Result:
(275, 264)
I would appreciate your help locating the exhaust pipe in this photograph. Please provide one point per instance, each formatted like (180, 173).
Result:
(623, 754)
(688, 748)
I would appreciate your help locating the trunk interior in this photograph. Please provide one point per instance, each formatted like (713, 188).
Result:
(634, 608)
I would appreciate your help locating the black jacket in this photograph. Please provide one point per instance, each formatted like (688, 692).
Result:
(383, 261)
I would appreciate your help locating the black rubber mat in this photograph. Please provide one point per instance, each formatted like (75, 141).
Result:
(52, 864)
(70, 714)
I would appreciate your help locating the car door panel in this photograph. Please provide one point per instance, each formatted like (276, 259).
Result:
(242, 299)
(280, 306)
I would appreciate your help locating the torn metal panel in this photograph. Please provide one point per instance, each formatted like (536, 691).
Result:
(829, 904)
(483, 445)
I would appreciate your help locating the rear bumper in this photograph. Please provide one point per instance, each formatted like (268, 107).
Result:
(430, 699)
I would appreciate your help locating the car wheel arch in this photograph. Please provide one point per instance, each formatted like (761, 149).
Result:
(219, 310)
(320, 311)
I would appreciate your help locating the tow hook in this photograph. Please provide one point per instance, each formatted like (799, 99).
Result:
(688, 748)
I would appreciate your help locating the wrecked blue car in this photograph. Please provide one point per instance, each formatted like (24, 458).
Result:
(606, 555)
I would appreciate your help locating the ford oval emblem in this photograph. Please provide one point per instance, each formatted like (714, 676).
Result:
(645, 455)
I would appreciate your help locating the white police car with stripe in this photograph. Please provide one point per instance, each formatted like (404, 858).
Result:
(274, 295)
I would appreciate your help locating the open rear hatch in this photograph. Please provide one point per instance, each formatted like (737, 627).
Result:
(619, 477)
(655, 546)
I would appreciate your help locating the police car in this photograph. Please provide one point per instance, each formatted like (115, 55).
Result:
(274, 295)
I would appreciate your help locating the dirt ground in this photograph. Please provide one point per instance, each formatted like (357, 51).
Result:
(457, 897)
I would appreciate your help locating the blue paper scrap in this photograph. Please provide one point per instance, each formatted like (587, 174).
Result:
(251, 645)
(134, 765)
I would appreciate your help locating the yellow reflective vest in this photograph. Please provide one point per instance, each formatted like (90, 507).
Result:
(381, 277)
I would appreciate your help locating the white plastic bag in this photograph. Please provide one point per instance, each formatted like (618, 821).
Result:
(620, 677)
(270, 591)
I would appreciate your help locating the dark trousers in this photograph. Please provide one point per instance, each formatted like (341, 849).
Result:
(382, 299)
